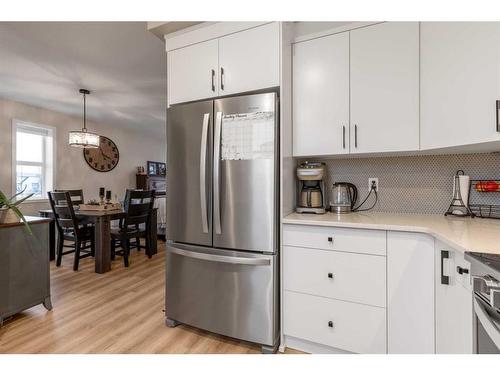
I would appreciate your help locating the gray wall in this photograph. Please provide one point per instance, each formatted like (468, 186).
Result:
(414, 184)
(136, 147)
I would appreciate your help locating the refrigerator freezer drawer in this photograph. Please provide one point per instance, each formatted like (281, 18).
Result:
(227, 292)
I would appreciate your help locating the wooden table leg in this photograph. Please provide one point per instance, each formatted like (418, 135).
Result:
(102, 245)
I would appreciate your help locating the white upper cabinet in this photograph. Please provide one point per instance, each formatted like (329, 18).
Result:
(249, 60)
(460, 83)
(243, 61)
(454, 313)
(192, 72)
(321, 96)
(385, 88)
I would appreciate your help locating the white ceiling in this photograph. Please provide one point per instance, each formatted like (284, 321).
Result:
(121, 63)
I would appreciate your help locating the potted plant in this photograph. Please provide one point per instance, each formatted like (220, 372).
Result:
(9, 210)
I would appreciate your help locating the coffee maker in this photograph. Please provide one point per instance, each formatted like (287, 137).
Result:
(311, 187)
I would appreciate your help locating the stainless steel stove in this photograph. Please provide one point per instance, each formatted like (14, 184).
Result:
(485, 270)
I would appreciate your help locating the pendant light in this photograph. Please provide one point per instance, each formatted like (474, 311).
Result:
(83, 138)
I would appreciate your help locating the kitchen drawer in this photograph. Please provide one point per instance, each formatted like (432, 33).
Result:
(354, 327)
(347, 276)
(332, 238)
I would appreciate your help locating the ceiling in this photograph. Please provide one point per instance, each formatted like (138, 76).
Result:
(160, 29)
(123, 65)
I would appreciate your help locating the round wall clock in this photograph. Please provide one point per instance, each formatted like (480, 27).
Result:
(102, 159)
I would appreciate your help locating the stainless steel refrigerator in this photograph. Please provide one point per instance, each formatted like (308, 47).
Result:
(222, 217)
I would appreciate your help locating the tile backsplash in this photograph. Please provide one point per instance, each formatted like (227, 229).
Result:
(413, 184)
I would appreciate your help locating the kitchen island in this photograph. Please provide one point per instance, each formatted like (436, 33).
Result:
(24, 266)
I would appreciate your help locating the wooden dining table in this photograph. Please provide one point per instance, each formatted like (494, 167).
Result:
(102, 221)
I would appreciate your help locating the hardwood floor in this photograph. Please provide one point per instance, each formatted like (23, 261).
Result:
(117, 312)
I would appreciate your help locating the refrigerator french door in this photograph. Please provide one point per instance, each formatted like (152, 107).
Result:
(222, 217)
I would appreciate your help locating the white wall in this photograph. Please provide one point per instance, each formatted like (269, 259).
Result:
(72, 172)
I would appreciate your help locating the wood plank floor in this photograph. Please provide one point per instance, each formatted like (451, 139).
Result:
(117, 312)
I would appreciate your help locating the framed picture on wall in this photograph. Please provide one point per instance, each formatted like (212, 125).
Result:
(156, 168)
(161, 169)
(152, 170)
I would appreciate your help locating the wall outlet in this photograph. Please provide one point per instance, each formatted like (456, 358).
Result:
(371, 182)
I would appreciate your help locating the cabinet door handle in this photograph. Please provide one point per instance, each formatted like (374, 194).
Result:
(343, 136)
(330, 324)
(221, 78)
(330, 239)
(330, 275)
(356, 136)
(445, 280)
(213, 80)
(462, 270)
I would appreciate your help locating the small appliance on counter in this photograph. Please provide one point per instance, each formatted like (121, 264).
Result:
(343, 197)
(311, 188)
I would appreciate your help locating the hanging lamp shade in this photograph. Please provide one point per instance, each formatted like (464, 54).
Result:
(84, 138)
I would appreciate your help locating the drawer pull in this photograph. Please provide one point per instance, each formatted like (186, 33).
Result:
(461, 270)
(330, 239)
(330, 275)
(330, 324)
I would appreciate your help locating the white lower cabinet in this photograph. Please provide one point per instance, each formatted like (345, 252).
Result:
(454, 311)
(334, 289)
(373, 291)
(343, 325)
(346, 276)
(410, 293)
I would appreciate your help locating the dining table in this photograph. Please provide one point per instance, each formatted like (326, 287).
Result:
(102, 222)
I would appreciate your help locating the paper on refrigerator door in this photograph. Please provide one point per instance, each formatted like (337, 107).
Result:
(247, 136)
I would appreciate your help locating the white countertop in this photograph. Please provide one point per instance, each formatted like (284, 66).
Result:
(464, 234)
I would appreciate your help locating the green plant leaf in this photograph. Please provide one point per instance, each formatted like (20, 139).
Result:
(18, 202)
(15, 195)
(3, 199)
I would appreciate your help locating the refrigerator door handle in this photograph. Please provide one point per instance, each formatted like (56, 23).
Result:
(218, 125)
(221, 258)
(203, 173)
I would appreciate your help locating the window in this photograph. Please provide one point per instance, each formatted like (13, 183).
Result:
(33, 159)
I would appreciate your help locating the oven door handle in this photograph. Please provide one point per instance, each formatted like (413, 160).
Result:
(489, 326)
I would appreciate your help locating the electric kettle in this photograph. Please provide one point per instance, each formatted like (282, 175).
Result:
(343, 197)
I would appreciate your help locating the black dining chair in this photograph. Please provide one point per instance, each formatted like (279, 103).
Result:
(71, 229)
(138, 207)
(76, 195)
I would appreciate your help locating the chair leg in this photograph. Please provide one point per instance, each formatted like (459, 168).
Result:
(138, 242)
(148, 245)
(60, 243)
(126, 251)
(76, 261)
(113, 249)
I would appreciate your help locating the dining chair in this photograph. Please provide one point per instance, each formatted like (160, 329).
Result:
(76, 195)
(138, 207)
(71, 229)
